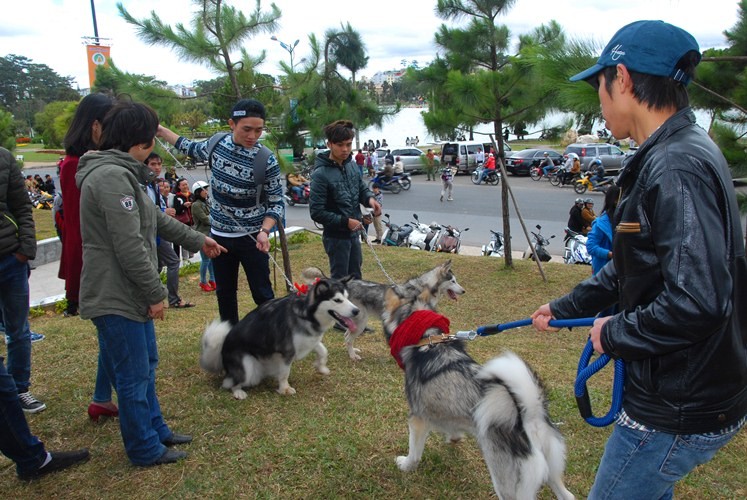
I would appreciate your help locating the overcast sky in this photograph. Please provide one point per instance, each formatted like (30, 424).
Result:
(50, 31)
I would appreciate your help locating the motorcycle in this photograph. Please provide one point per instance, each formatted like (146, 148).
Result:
(536, 172)
(559, 178)
(393, 184)
(584, 183)
(492, 177)
(41, 200)
(450, 239)
(293, 197)
(394, 235)
(495, 247)
(540, 244)
(423, 235)
(575, 251)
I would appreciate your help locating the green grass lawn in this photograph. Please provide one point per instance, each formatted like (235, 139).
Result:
(35, 152)
(339, 435)
(44, 223)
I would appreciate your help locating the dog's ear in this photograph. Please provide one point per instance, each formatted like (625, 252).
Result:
(320, 286)
(446, 266)
(347, 278)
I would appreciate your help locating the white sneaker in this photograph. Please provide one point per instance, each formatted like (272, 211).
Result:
(449, 199)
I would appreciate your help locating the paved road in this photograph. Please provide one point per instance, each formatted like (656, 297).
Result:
(476, 207)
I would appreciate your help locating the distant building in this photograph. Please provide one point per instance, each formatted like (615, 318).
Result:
(183, 91)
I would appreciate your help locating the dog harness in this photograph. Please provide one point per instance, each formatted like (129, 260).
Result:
(411, 331)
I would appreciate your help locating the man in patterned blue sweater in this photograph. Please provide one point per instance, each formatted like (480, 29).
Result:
(240, 221)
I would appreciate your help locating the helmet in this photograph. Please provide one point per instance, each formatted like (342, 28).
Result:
(199, 185)
(573, 155)
(596, 161)
(589, 200)
(546, 153)
(490, 155)
(579, 201)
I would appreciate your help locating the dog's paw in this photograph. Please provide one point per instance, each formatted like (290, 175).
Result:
(323, 370)
(286, 391)
(405, 465)
(454, 438)
(239, 394)
(354, 355)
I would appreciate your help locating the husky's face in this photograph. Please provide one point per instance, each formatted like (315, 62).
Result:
(332, 303)
(447, 282)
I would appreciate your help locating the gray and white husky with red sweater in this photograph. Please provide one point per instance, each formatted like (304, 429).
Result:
(502, 403)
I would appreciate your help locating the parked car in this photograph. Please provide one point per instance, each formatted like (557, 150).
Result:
(611, 156)
(519, 162)
(412, 158)
(463, 154)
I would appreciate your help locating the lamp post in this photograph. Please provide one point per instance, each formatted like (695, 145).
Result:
(289, 47)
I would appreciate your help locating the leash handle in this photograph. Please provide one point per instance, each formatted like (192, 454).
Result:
(483, 331)
(584, 372)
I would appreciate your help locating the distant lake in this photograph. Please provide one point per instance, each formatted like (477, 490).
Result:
(409, 123)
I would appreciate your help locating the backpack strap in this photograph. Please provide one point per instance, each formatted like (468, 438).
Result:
(260, 169)
(212, 142)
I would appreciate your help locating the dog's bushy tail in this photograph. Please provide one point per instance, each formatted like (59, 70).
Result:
(211, 358)
(521, 447)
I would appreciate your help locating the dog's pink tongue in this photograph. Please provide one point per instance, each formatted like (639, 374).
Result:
(349, 324)
(452, 295)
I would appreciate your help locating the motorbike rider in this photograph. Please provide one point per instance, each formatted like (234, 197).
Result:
(587, 214)
(575, 220)
(399, 167)
(546, 164)
(573, 167)
(598, 176)
(296, 182)
(489, 165)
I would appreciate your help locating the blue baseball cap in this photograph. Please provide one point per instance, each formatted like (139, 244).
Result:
(648, 47)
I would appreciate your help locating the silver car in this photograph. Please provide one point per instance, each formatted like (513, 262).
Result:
(412, 158)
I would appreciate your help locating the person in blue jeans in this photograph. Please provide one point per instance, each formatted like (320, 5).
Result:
(546, 164)
(17, 247)
(121, 289)
(337, 192)
(678, 273)
(18, 444)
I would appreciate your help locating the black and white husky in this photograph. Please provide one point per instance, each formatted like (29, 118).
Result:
(268, 339)
(368, 296)
(502, 403)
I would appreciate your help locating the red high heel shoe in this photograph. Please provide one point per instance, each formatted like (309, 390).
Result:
(95, 411)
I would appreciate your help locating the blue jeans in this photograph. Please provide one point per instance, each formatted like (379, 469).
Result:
(643, 465)
(345, 257)
(546, 170)
(256, 264)
(14, 306)
(206, 268)
(131, 357)
(16, 440)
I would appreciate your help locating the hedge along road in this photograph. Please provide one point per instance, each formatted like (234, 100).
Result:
(476, 207)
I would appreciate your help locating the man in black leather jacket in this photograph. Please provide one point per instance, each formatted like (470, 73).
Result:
(678, 273)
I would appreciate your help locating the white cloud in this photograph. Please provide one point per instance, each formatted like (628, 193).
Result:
(50, 31)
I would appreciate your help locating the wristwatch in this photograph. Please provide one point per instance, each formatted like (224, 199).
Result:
(266, 231)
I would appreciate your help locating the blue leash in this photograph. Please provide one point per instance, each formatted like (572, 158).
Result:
(584, 371)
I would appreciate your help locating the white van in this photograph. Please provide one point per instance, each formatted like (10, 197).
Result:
(463, 154)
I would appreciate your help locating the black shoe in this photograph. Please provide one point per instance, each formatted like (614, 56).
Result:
(60, 460)
(376, 241)
(170, 457)
(30, 404)
(177, 439)
(340, 328)
(367, 330)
